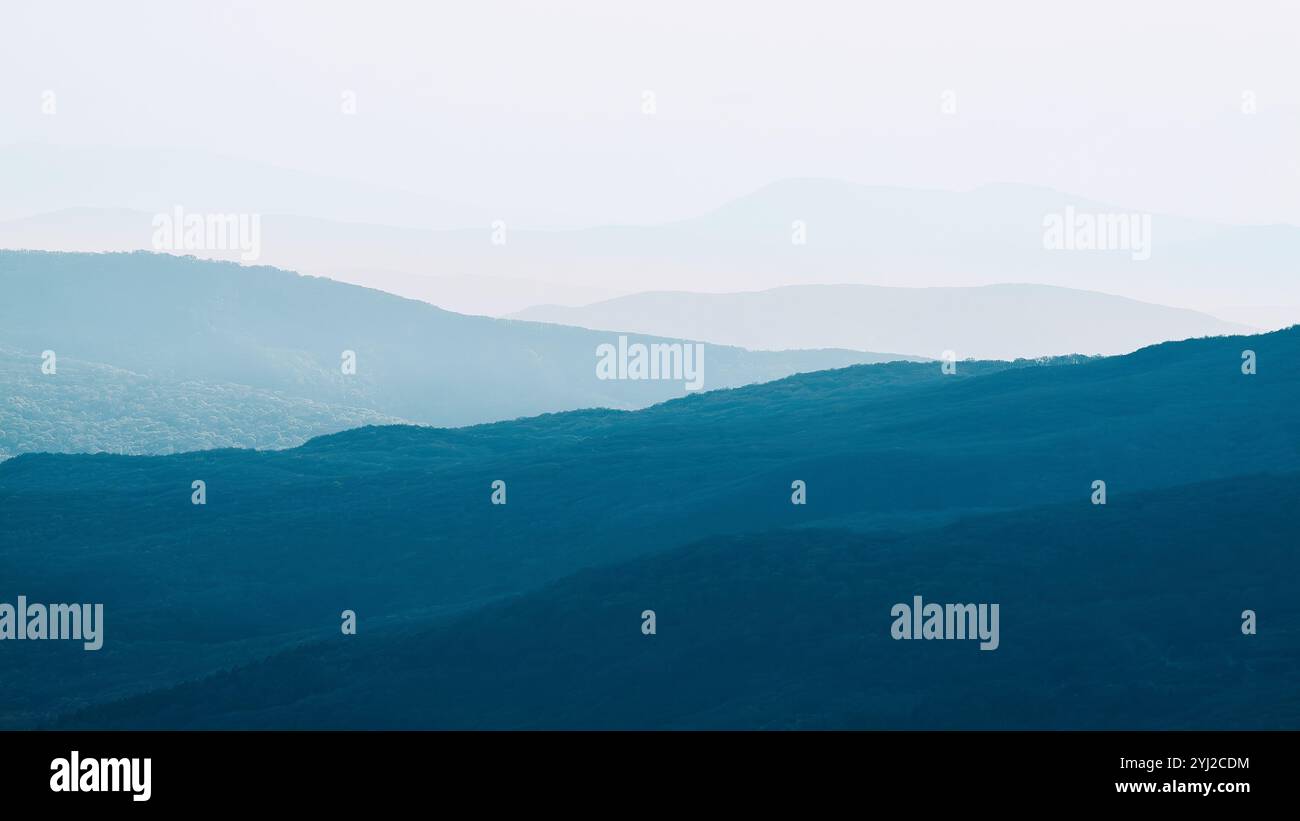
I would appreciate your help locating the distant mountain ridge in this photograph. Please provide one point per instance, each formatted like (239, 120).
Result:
(988, 322)
(790, 232)
(45, 177)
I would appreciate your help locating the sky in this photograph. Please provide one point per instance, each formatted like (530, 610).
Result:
(537, 111)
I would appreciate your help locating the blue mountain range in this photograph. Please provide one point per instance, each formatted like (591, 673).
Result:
(973, 486)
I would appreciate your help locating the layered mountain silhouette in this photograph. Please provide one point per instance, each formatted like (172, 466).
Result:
(792, 232)
(984, 478)
(990, 322)
(245, 331)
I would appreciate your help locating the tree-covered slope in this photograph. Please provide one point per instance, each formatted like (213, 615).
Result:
(87, 407)
(1124, 616)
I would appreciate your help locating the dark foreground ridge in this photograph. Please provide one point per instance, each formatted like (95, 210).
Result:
(397, 525)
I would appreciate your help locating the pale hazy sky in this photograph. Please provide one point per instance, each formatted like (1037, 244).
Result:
(540, 105)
